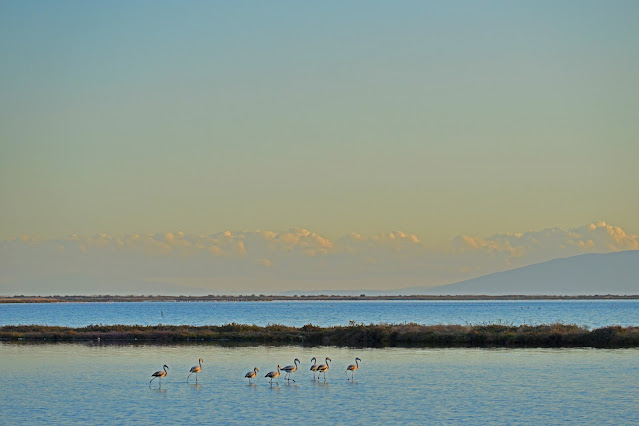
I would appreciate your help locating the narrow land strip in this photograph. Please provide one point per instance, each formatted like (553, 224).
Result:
(270, 298)
(355, 335)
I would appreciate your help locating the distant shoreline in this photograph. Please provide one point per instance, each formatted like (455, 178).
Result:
(353, 335)
(271, 298)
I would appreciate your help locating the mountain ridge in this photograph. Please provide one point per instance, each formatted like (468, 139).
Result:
(615, 273)
(591, 273)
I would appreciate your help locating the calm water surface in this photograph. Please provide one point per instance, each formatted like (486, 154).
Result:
(93, 384)
(592, 313)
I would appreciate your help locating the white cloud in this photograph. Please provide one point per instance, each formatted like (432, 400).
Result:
(536, 246)
(397, 241)
(267, 260)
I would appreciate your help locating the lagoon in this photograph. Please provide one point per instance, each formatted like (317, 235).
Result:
(590, 313)
(99, 384)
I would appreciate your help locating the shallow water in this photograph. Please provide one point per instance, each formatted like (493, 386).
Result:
(87, 383)
(592, 313)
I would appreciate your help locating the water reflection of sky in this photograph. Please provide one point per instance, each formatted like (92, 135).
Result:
(592, 313)
(85, 383)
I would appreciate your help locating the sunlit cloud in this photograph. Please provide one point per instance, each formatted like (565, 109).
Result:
(593, 237)
(268, 260)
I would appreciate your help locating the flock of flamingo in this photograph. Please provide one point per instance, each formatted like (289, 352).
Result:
(288, 370)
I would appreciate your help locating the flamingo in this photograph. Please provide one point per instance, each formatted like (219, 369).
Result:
(195, 370)
(323, 368)
(291, 369)
(314, 367)
(160, 374)
(352, 368)
(274, 374)
(252, 374)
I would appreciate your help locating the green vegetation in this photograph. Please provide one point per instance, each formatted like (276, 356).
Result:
(355, 335)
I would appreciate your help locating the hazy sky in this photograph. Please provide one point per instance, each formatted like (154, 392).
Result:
(291, 260)
(436, 118)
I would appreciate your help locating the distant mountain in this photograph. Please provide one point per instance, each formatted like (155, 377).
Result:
(587, 274)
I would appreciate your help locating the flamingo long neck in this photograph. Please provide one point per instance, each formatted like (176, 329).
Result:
(357, 362)
(200, 362)
(164, 368)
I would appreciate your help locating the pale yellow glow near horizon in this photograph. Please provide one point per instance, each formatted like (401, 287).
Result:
(473, 119)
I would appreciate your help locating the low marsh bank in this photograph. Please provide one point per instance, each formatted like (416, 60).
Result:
(296, 298)
(355, 335)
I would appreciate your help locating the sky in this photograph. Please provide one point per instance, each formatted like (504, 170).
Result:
(443, 121)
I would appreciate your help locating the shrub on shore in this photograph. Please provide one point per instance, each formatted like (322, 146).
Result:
(356, 335)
